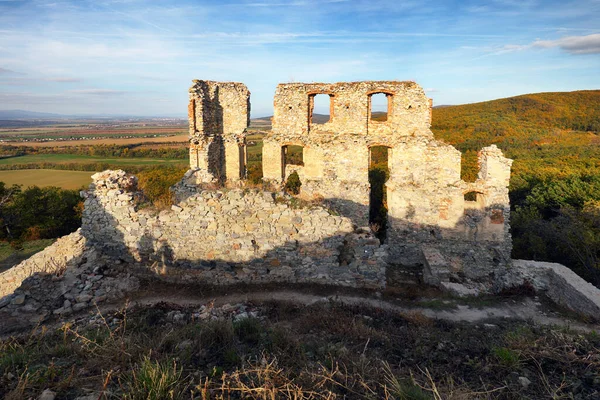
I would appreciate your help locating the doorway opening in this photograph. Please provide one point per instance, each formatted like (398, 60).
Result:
(292, 162)
(379, 173)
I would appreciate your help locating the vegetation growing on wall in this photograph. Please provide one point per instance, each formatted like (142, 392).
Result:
(155, 184)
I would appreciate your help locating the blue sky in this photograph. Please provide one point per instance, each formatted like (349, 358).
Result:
(139, 57)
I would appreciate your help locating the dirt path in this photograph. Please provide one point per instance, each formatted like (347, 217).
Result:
(526, 309)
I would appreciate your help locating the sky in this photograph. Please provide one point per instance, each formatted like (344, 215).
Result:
(139, 57)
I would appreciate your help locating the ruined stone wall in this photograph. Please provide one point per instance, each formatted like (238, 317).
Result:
(226, 237)
(427, 207)
(53, 259)
(559, 283)
(336, 153)
(218, 113)
(409, 109)
(424, 193)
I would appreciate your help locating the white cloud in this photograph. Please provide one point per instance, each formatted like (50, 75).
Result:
(589, 44)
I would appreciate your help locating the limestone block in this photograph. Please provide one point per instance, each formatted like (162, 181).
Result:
(436, 269)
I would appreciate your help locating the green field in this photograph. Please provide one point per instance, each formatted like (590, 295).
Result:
(47, 177)
(75, 158)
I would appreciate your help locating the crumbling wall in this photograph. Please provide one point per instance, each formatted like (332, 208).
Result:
(218, 113)
(427, 207)
(336, 153)
(66, 251)
(425, 195)
(233, 236)
(558, 282)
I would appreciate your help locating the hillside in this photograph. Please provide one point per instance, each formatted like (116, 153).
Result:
(548, 134)
(518, 117)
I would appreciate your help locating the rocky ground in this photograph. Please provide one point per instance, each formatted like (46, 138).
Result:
(82, 286)
(282, 349)
(144, 339)
(95, 331)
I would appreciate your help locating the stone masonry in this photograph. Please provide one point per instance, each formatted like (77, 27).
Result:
(217, 233)
(467, 223)
(219, 113)
(230, 236)
(55, 259)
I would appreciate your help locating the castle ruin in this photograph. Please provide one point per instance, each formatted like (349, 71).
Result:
(452, 226)
(441, 230)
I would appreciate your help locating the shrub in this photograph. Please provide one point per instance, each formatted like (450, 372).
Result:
(293, 184)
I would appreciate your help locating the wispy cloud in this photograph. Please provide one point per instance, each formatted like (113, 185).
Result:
(586, 44)
(64, 80)
(589, 44)
(97, 92)
(142, 54)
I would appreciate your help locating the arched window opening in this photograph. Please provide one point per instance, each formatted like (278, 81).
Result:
(321, 108)
(380, 106)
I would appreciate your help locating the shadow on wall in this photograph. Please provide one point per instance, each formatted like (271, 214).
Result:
(248, 236)
(207, 140)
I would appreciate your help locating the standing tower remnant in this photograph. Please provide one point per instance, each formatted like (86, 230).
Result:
(218, 113)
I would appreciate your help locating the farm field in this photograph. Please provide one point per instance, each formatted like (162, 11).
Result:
(47, 177)
(78, 132)
(76, 158)
(161, 140)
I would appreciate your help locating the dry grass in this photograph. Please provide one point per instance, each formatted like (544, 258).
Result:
(325, 351)
(47, 177)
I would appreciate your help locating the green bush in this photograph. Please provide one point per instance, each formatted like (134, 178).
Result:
(293, 184)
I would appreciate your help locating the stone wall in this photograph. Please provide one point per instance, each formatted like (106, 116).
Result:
(427, 207)
(230, 236)
(336, 153)
(424, 193)
(218, 113)
(54, 259)
(558, 282)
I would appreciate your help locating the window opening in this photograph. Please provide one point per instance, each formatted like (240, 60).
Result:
(379, 106)
(293, 155)
(321, 108)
